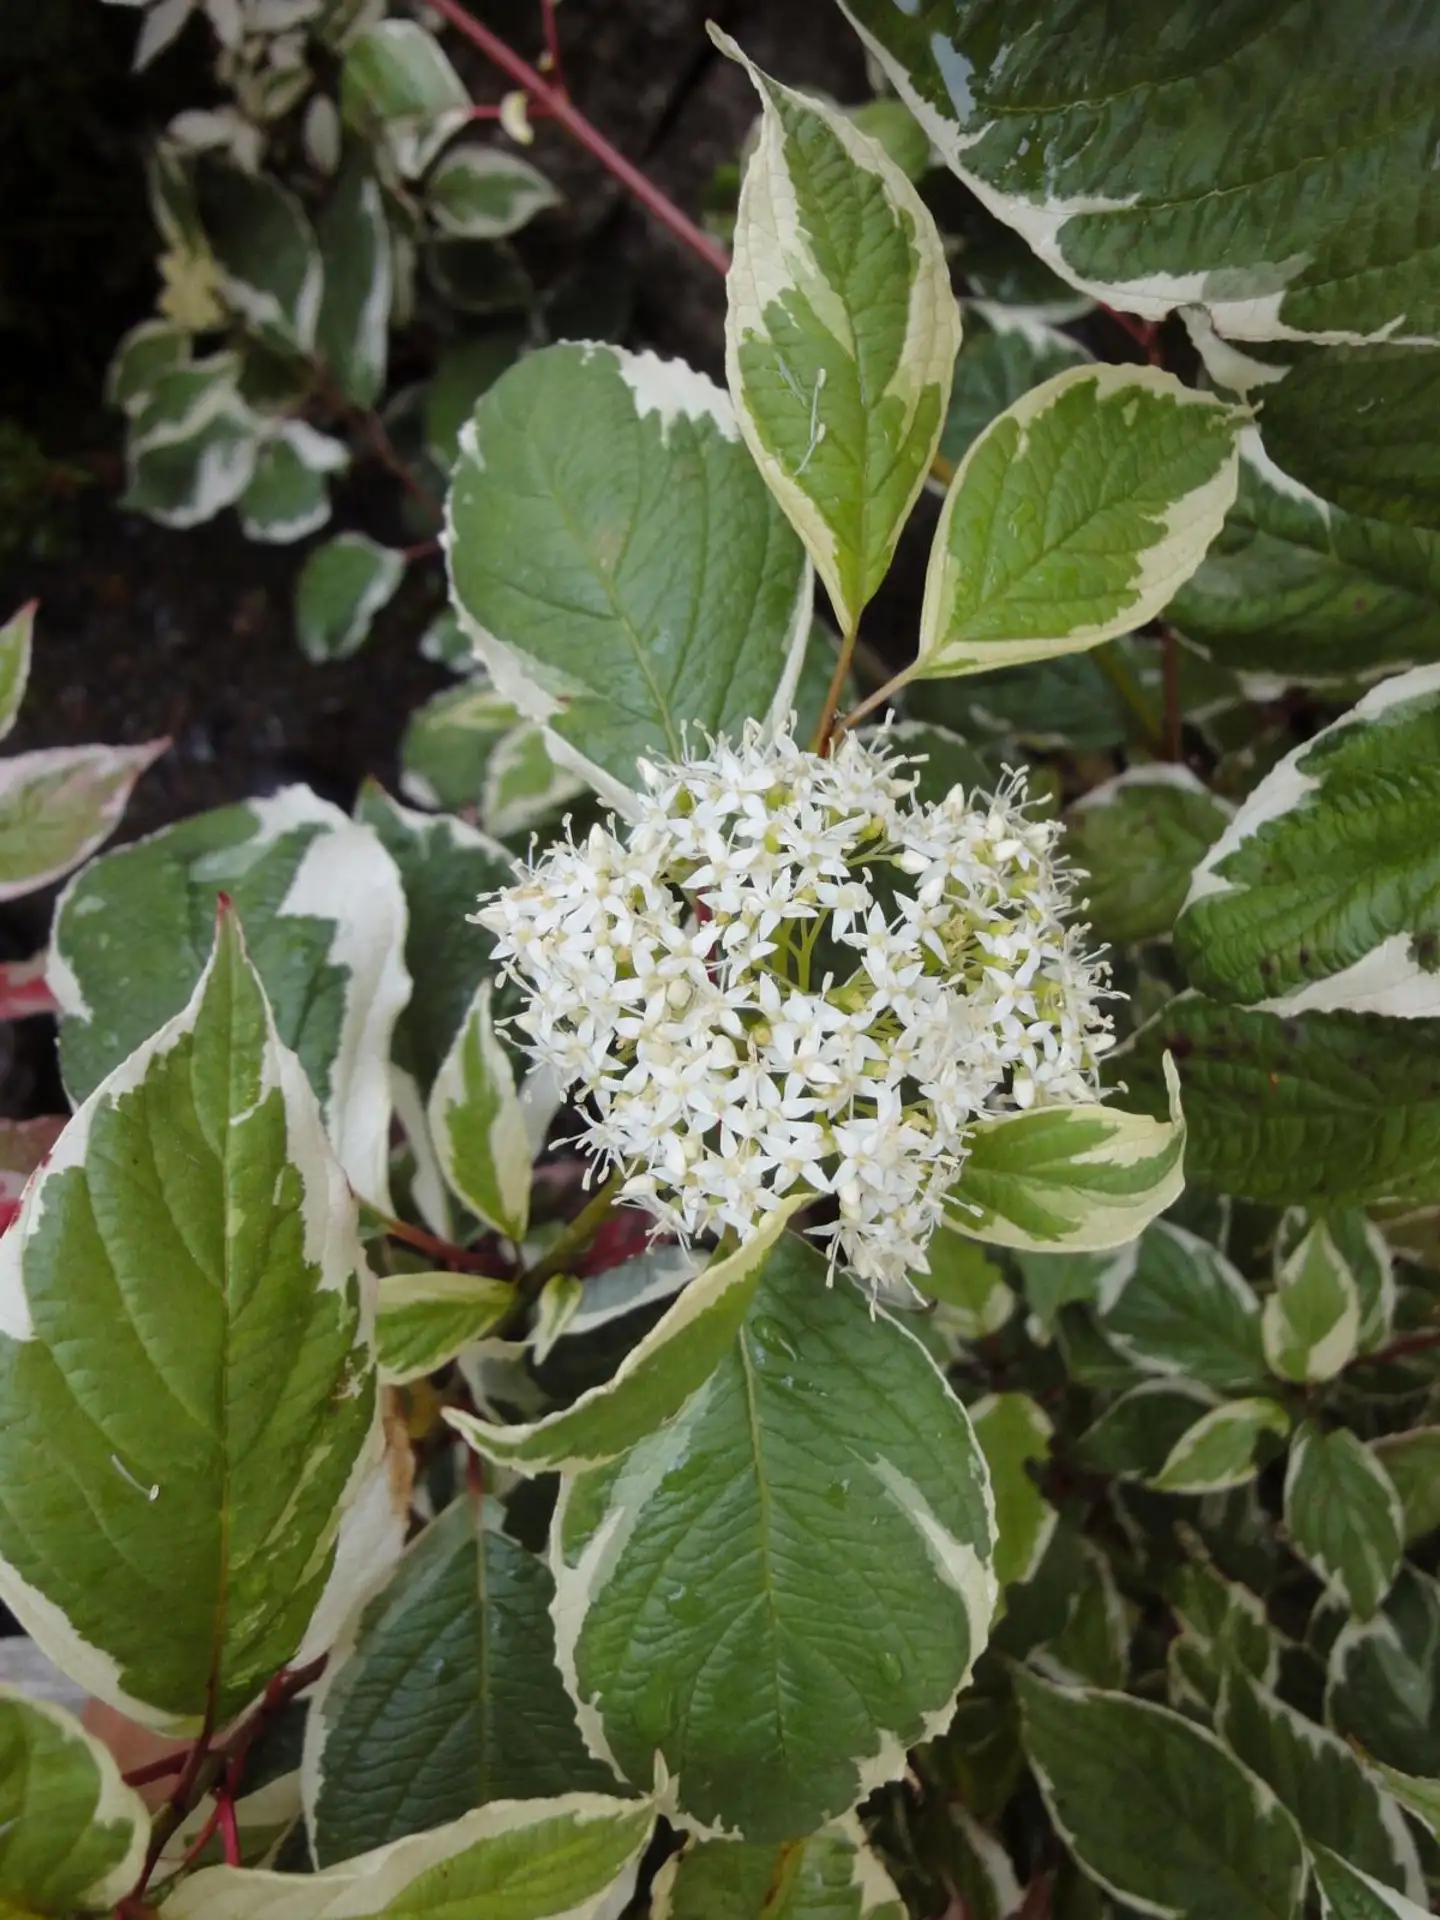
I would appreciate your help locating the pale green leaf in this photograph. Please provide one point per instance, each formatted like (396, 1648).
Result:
(523, 784)
(147, 351)
(1220, 1450)
(559, 1302)
(1113, 152)
(342, 586)
(654, 1380)
(441, 1695)
(192, 444)
(1384, 1681)
(1137, 839)
(484, 193)
(841, 335)
(830, 1875)
(774, 1597)
(59, 804)
(15, 639)
(1157, 1811)
(1093, 1646)
(72, 1834)
(1136, 1434)
(424, 1319)
(462, 373)
(449, 741)
(1343, 1516)
(268, 258)
(1005, 354)
(1074, 518)
(1056, 1280)
(569, 1858)
(475, 1122)
(1317, 1778)
(353, 329)
(1418, 1797)
(971, 1289)
(1348, 1894)
(1339, 1108)
(1080, 1179)
(618, 560)
(1311, 1322)
(1014, 1432)
(1412, 1463)
(286, 499)
(1175, 1305)
(1320, 894)
(324, 918)
(1366, 1255)
(183, 1297)
(398, 85)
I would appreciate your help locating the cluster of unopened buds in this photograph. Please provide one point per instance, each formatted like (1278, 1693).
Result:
(789, 975)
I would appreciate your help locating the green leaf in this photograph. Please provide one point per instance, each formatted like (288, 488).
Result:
(1412, 1465)
(1074, 518)
(523, 785)
(444, 866)
(619, 561)
(570, 1858)
(192, 445)
(1317, 1778)
(840, 337)
(1348, 1894)
(1061, 703)
(1296, 586)
(1220, 1450)
(1114, 153)
(484, 193)
(970, 1287)
(1056, 1280)
(424, 1319)
(1083, 1178)
(1174, 1305)
(654, 1380)
(1014, 1431)
(1093, 1647)
(1342, 1108)
(777, 1594)
(1363, 1250)
(441, 1695)
(476, 1124)
(72, 1834)
(831, 1875)
(342, 586)
(1004, 355)
(267, 255)
(462, 373)
(1137, 838)
(1118, 1774)
(287, 498)
(555, 1310)
(59, 804)
(183, 1297)
(1311, 1322)
(325, 918)
(1135, 1436)
(353, 329)
(397, 86)
(147, 351)
(1418, 1797)
(15, 637)
(449, 741)
(1343, 1516)
(1384, 1684)
(1320, 893)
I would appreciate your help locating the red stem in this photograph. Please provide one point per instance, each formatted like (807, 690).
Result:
(229, 1830)
(23, 992)
(438, 1249)
(1397, 1349)
(157, 1769)
(554, 101)
(552, 42)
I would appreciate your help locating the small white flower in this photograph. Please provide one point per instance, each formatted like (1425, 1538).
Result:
(790, 975)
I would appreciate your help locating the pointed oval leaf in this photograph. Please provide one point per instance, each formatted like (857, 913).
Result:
(1080, 1179)
(1219, 1451)
(1014, 1432)
(15, 638)
(1074, 518)
(325, 923)
(1343, 1516)
(1174, 1305)
(523, 785)
(619, 562)
(183, 1297)
(652, 1382)
(1116, 1773)
(1319, 894)
(59, 804)
(147, 351)
(571, 1858)
(72, 1834)
(1112, 152)
(286, 499)
(1311, 1322)
(764, 1604)
(1412, 1463)
(353, 328)
(1317, 1778)
(441, 1695)
(1348, 1894)
(1383, 1685)
(342, 586)
(831, 1875)
(1006, 353)
(397, 84)
(424, 1319)
(1138, 839)
(840, 336)
(483, 193)
(476, 1124)
(267, 254)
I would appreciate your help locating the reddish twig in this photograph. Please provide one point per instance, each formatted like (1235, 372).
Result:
(552, 99)
(157, 1770)
(552, 43)
(229, 1829)
(23, 992)
(437, 1249)
(1408, 1343)
(1145, 333)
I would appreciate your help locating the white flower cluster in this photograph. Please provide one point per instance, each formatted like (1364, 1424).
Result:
(789, 974)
